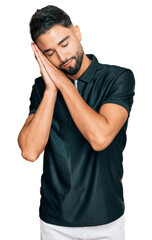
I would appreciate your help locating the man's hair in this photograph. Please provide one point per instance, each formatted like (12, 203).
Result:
(46, 18)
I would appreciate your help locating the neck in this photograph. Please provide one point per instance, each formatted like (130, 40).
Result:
(85, 64)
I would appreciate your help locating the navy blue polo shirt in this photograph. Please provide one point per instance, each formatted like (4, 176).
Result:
(81, 186)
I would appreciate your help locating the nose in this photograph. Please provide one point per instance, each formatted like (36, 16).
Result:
(61, 56)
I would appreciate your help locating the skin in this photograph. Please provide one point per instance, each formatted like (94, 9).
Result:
(99, 129)
(65, 51)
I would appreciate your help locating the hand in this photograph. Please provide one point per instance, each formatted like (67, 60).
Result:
(49, 71)
(47, 80)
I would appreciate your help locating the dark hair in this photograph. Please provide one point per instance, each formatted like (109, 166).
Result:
(46, 18)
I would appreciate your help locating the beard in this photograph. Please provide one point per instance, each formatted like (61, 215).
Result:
(78, 58)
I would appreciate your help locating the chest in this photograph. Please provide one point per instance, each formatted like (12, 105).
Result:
(93, 93)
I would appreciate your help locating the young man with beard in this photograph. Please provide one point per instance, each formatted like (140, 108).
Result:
(78, 115)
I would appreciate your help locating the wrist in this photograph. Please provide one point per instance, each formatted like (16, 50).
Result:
(51, 92)
(63, 83)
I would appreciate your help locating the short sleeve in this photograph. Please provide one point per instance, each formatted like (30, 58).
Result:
(36, 95)
(122, 90)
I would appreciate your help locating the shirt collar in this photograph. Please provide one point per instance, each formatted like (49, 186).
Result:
(90, 71)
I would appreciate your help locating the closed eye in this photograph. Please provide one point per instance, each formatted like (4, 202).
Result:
(51, 54)
(65, 45)
(62, 46)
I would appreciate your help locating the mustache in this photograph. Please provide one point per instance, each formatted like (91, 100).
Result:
(66, 61)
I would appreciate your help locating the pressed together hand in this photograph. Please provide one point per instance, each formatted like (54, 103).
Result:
(52, 76)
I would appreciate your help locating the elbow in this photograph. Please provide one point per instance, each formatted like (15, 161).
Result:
(99, 144)
(28, 151)
(29, 156)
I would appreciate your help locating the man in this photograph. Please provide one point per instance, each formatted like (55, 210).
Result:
(78, 115)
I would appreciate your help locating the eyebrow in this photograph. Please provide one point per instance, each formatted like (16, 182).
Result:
(47, 50)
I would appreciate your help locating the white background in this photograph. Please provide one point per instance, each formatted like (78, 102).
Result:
(117, 32)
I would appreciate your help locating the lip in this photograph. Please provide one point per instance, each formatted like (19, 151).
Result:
(68, 63)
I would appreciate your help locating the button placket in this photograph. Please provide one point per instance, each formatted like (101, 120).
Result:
(76, 83)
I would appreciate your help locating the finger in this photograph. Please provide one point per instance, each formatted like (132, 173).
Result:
(35, 47)
(45, 66)
(38, 58)
(35, 53)
(42, 56)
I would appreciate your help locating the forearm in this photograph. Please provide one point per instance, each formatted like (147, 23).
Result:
(91, 124)
(34, 135)
(99, 128)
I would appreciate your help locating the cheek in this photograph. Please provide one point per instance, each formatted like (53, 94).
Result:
(54, 60)
(73, 48)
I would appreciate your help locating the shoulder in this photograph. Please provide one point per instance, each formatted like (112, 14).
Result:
(115, 74)
(39, 82)
(113, 70)
(38, 87)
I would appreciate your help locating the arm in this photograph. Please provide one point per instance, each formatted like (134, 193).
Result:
(35, 132)
(98, 128)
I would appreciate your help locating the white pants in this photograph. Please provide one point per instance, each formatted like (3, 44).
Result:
(111, 231)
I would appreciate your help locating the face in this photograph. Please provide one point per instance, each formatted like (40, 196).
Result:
(62, 48)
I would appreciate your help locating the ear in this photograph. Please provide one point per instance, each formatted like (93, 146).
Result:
(77, 32)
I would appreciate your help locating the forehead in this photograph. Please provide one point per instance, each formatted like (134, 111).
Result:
(54, 35)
